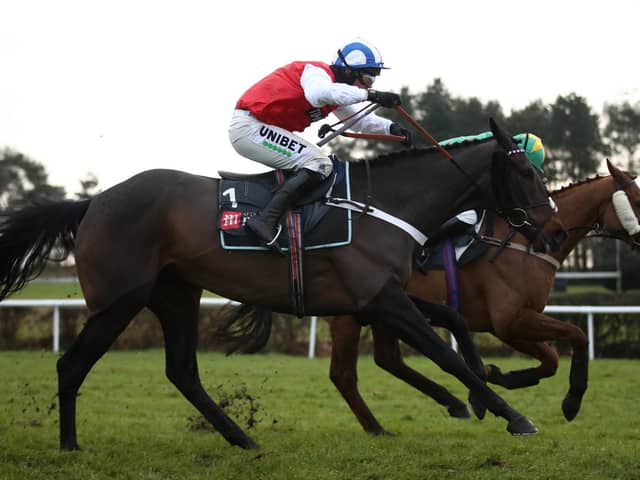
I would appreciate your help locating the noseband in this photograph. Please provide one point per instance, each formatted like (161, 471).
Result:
(625, 213)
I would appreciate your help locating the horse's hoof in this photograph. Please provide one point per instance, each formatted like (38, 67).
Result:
(494, 374)
(382, 433)
(477, 406)
(521, 425)
(571, 406)
(458, 411)
(70, 446)
(247, 443)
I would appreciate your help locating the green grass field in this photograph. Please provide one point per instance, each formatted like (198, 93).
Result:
(133, 424)
(37, 290)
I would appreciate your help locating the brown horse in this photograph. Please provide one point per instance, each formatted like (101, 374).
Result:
(505, 297)
(152, 241)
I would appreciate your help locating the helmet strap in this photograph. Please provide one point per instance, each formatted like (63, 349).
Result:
(344, 74)
(351, 74)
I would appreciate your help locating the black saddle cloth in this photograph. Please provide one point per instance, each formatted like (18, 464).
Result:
(242, 196)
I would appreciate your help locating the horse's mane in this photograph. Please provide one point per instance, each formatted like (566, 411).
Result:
(393, 156)
(576, 184)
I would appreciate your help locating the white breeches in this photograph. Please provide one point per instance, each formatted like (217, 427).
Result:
(274, 146)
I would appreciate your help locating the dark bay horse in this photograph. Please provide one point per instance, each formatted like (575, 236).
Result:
(506, 298)
(152, 241)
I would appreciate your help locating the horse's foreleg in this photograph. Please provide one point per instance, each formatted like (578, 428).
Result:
(176, 305)
(527, 377)
(534, 326)
(97, 335)
(393, 307)
(345, 337)
(387, 356)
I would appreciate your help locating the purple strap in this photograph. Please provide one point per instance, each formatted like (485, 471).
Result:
(451, 274)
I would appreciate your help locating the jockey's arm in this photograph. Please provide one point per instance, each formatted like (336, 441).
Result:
(320, 90)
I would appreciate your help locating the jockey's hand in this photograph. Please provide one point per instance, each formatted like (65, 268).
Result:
(396, 129)
(386, 99)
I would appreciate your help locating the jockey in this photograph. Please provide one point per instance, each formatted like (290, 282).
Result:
(289, 100)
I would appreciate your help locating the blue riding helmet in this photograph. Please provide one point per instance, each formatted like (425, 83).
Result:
(358, 54)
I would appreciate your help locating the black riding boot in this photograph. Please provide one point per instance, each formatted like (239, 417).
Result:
(264, 224)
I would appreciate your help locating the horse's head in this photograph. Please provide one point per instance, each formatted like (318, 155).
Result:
(521, 196)
(620, 217)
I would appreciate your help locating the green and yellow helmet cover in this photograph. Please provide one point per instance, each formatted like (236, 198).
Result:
(533, 148)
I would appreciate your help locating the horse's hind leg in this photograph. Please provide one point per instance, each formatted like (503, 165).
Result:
(176, 305)
(442, 316)
(98, 334)
(387, 356)
(345, 337)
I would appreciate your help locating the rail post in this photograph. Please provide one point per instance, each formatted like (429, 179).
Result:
(312, 337)
(590, 335)
(56, 329)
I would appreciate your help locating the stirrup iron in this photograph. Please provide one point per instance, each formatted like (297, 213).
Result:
(275, 237)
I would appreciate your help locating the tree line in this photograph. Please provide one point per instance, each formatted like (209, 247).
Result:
(24, 180)
(576, 138)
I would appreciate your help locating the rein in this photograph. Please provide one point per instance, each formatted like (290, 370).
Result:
(436, 144)
(346, 124)
(424, 133)
(357, 116)
(366, 208)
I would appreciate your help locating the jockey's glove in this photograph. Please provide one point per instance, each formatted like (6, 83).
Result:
(386, 99)
(395, 129)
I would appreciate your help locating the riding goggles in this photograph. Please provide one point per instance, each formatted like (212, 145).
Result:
(368, 75)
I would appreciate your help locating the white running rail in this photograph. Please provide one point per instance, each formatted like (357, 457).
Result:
(57, 304)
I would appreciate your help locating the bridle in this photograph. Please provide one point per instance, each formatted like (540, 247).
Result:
(522, 221)
(625, 215)
(517, 217)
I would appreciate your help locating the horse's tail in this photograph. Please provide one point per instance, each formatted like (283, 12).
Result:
(246, 329)
(28, 235)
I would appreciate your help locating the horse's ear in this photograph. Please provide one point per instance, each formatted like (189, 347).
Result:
(616, 172)
(502, 137)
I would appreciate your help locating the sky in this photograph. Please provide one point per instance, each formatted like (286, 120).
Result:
(115, 87)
